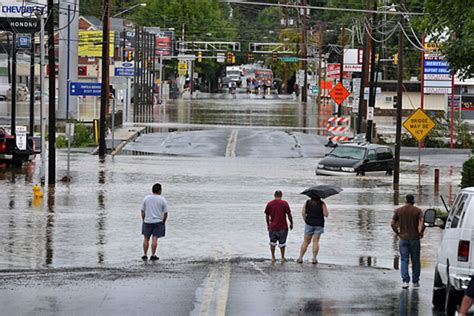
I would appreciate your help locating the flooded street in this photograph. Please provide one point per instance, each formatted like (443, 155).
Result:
(216, 202)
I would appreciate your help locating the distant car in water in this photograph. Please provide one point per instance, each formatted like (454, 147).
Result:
(10, 153)
(357, 159)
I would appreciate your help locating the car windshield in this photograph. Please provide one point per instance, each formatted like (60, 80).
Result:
(348, 152)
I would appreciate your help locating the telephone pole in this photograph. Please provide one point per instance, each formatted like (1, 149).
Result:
(341, 71)
(304, 53)
(365, 73)
(52, 97)
(104, 100)
(398, 135)
(372, 85)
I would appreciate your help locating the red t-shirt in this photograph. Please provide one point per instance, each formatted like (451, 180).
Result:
(277, 210)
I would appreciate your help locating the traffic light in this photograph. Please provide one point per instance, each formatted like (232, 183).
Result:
(230, 57)
(395, 102)
(250, 57)
(129, 56)
(139, 56)
(274, 57)
(395, 59)
(199, 57)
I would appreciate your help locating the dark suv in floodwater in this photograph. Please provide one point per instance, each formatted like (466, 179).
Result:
(13, 152)
(358, 159)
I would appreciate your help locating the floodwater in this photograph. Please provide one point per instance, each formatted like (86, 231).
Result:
(216, 203)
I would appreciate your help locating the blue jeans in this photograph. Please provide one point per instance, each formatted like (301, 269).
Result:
(410, 249)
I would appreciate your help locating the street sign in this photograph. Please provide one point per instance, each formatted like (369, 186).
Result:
(419, 124)
(289, 59)
(20, 132)
(314, 89)
(85, 88)
(125, 69)
(325, 84)
(23, 41)
(220, 57)
(339, 93)
(182, 68)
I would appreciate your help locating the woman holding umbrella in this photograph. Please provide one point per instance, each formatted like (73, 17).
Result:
(314, 212)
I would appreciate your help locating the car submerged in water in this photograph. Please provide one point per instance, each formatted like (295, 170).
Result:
(356, 159)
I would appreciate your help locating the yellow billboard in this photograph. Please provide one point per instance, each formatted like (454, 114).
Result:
(90, 44)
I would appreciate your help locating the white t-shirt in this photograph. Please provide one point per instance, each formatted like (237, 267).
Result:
(154, 207)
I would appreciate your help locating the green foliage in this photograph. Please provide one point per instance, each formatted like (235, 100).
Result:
(452, 23)
(467, 179)
(83, 136)
(61, 141)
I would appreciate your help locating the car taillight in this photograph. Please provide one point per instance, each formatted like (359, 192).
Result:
(463, 250)
(3, 146)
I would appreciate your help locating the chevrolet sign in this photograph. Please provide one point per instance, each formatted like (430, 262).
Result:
(21, 8)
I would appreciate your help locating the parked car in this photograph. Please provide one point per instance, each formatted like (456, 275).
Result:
(9, 151)
(455, 262)
(358, 159)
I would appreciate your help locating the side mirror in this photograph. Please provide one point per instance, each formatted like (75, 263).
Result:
(430, 217)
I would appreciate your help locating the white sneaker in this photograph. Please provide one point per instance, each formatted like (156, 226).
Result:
(416, 284)
(405, 285)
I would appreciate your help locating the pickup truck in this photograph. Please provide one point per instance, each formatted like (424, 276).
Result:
(15, 150)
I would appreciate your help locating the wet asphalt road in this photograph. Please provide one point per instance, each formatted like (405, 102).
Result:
(76, 251)
(239, 287)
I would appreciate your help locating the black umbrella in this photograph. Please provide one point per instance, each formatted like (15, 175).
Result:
(322, 191)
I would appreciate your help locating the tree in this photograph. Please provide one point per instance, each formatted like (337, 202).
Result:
(451, 22)
(468, 173)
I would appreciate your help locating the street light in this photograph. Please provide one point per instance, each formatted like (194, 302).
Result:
(131, 8)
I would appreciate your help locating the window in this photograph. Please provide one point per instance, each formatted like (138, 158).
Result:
(349, 152)
(457, 211)
(371, 155)
(384, 153)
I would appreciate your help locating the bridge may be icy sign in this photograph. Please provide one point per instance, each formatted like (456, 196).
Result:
(419, 124)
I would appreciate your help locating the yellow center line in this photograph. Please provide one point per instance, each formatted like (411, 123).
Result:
(224, 291)
(206, 301)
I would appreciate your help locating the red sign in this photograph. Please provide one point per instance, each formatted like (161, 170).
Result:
(334, 71)
(164, 43)
(325, 84)
(339, 93)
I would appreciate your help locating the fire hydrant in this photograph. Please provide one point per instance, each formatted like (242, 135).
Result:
(37, 193)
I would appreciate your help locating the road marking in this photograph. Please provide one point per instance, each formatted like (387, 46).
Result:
(231, 144)
(224, 291)
(211, 283)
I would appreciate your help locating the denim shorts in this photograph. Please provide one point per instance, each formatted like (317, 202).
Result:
(313, 230)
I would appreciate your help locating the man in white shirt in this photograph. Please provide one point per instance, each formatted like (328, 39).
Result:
(154, 215)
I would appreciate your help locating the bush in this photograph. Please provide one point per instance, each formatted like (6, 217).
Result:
(82, 136)
(61, 141)
(467, 179)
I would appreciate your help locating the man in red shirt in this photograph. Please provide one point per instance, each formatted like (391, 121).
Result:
(276, 212)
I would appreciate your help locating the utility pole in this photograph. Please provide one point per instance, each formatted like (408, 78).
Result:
(320, 61)
(365, 73)
(104, 101)
(341, 71)
(42, 105)
(32, 85)
(304, 53)
(372, 88)
(398, 135)
(52, 97)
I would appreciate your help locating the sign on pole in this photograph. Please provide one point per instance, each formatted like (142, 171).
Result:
(22, 8)
(419, 124)
(182, 68)
(125, 69)
(20, 132)
(85, 88)
(339, 93)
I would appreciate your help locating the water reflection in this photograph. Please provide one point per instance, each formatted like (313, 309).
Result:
(409, 302)
(101, 217)
(50, 226)
(319, 307)
(368, 261)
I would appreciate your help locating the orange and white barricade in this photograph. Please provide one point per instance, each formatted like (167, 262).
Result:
(339, 127)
